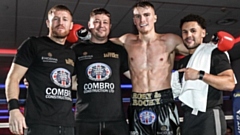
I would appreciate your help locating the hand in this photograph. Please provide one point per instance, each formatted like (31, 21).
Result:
(16, 122)
(26, 82)
(190, 73)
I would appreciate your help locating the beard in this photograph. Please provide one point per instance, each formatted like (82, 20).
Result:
(191, 47)
(194, 46)
(60, 35)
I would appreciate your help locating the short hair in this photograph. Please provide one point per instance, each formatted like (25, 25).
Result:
(59, 8)
(196, 18)
(143, 4)
(97, 11)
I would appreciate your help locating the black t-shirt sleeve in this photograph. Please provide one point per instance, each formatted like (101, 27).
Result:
(234, 52)
(124, 61)
(25, 53)
(220, 62)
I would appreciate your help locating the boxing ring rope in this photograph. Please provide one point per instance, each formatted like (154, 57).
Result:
(125, 100)
(227, 117)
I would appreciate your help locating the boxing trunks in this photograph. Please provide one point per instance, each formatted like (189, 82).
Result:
(153, 113)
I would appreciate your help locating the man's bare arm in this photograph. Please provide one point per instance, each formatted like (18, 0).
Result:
(120, 40)
(16, 119)
(116, 41)
(181, 49)
(14, 76)
(74, 82)
(223, 81)
(177, 43)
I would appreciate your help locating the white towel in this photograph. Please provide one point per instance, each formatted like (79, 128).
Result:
(194, 92)
(175, 84)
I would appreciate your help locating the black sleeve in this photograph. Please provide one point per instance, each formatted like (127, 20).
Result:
(234, 52)
(220, 61)
(25, 53)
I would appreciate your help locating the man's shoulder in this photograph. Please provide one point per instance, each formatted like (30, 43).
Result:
(169, 36)
(171, 39)
(32, 41)
(130, 36)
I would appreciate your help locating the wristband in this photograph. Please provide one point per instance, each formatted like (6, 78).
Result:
(13, 104)
(201, 74)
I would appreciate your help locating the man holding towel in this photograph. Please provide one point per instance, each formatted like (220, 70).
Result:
(203, 75)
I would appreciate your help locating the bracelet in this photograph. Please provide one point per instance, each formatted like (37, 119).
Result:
(201, 74)
(13, 104)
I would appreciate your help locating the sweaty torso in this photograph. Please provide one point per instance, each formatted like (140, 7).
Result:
(150, 64)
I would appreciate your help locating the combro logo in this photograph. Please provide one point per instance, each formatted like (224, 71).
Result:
(98, 72)
(147, 117)
(61, 77)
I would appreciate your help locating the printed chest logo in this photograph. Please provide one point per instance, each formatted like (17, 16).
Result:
(98, 72)
(61, 77)
(147, 117)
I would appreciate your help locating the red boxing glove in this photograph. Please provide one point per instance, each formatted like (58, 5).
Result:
(237, 40)
(225, 41)
(78, 31)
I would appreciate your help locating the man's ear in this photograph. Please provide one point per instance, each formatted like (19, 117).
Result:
(47, 23)
(90, 24)
(155, 18)
(71, 26)
(134, 21)
(204, 33)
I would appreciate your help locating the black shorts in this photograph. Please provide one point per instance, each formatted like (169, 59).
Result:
(211, 122)
(153, 113)
(49, 130)
(102, 128)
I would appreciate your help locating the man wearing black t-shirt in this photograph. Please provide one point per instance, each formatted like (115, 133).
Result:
(47, 63)
(99, 64)
(203, 74)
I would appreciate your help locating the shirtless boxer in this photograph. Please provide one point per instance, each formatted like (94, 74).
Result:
(151, 56)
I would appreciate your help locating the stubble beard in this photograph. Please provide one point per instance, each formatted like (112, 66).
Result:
(191, 47)
(60, 35)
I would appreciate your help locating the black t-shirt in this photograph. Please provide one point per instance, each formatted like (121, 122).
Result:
(98, 68)
(219, 63)
(50, 66)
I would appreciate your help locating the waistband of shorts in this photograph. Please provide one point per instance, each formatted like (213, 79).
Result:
(152, 98)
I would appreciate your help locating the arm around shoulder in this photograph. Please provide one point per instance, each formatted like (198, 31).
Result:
(180, 48)
(120, 40)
